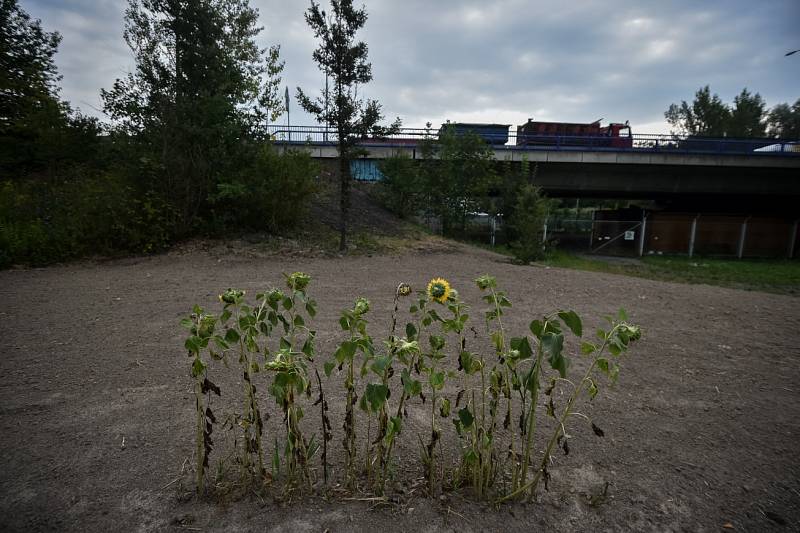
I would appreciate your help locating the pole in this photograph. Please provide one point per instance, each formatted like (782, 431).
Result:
(544, 232)
(793, 239)
(742, 238)
(641, 235)
(288, 123)
(692, 234)
(494, 227)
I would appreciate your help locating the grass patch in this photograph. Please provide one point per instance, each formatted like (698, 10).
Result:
(770, 275)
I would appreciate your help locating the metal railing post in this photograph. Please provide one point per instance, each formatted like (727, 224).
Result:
(692, 234)
(544, 232)
(742, 238)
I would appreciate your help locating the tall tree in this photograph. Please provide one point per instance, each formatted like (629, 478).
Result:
(38, 131)
(343, 58)
(28, 77)
(197, 94)
(783, 121)
(747, 119)
(458, 174)
(707, 116)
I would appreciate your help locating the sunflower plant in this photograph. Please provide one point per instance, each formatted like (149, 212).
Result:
(409, 354)
(376, 397)
(201, 332)
(352, 321)
(500, 379)
(242, 338)
(548, 335)
(289, 362)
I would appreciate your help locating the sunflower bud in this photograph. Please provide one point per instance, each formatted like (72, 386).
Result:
(361, 306)
(231, 296)
(298, 281)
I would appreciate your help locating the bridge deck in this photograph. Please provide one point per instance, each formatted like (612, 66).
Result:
(572, 155)
(638, 149)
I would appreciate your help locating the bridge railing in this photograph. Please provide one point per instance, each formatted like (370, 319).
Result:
(637, 142)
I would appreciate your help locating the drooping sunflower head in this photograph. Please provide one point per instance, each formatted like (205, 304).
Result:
(439, 290)
(404, 289)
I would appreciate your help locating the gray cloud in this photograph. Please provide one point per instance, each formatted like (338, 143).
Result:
(498, 61)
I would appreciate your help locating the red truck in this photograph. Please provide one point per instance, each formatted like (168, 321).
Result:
(535, 133)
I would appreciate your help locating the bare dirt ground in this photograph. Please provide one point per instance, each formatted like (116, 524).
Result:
(96, 411)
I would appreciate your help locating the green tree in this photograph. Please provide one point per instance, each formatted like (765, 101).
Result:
(458, 174)
(344, 59)
(28, 77)
(401, 187)
(38, 131)
(530, 213)
(783, 121)
(707, 116)
(504, 202)
(196, 96)
(747, 119)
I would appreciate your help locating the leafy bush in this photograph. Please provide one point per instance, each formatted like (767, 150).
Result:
(271, 193)
(44, 220)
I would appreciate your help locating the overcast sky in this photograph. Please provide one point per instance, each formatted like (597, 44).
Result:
(497, 61)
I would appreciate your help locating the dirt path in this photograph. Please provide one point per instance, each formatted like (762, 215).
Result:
(701, 431)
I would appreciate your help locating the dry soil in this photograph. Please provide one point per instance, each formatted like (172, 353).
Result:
(96, 407)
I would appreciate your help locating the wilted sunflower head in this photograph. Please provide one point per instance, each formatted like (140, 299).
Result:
(486, 282)
(231, 296)
(361, 306)
(633, 332)
(404, 289)
(439, 290)
(298, 281)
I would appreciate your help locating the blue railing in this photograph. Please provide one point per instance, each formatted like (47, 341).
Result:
(637, 142)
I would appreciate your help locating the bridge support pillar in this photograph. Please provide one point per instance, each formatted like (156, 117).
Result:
(792, 239)
(742, 238)
(642, 235)
(692, 233)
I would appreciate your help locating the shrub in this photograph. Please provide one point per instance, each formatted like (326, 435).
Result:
(273, 192)
(46, 220)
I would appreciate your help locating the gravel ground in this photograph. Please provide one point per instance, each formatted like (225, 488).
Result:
(96, 410)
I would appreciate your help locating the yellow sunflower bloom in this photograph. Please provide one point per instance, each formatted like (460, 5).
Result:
(439, 290)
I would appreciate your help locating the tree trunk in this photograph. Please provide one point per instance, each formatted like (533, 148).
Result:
(344, 196)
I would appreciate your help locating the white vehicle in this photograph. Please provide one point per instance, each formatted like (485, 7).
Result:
(780, 147)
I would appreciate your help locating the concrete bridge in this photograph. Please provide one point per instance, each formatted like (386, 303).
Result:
(654, 166)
